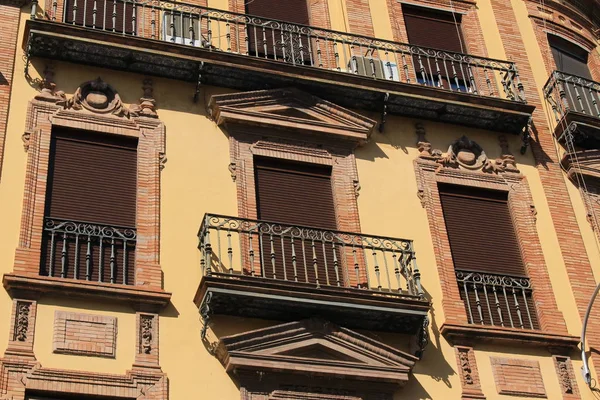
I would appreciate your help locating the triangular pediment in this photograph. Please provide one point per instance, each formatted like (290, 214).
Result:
(291, 109)
(318, 347)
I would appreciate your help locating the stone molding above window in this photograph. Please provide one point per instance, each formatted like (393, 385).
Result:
(96, 107)
(465, 163)
(293, 125)
(305, 359)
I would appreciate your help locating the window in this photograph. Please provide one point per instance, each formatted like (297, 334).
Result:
(572, 60)
(491, 275)
(99, 14)
(437, 30)
(183, 29)
(90, 210)
(297, 194)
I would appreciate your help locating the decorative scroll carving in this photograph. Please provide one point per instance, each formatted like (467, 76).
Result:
(421, 196)
(98, 96)
(49, 92)
(465, 366)
(26, 138)
(565, 377)
(147, 104)
(357, 187)
(507, 158)
(162, 160)
(22, 321)
(146, 333)
(423, 144)
(232, 170)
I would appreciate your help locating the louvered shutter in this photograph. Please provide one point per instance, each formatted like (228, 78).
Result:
(435, 29)
(104, 9)
(480, 230)
(297, 194)
(293, 11)
(438, 30)
(92, 179)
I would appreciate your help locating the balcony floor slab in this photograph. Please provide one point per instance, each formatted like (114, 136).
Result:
(48, 39)
(253, 297)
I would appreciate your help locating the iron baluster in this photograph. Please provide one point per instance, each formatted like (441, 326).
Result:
(527, 308)
(283, 259)
(272, 256)
(63, 256)
(488, 82)
(153, 23)
(172, 26)
(100, 259)
(325, 262)
(315, 261)
(75, 11)
(471, 320)
(512, 325)
(294, 260)
(54, 9)
(125, 262)
(112, 260)
(319, 58)
(478, 303)
(472, 80)
(262, 255)
(397, 272)
(487, 300)
(310, 53)
(376, 269)
(304, 260)
(518, 308)
(229, 251)
(76, 267)
(209, 32)
(264, 41)
(498, 308)
(104, 16)
(405, 67)
(387, 271)
(51, 266)
(208, 253)
(356, 268)
(94, 11)
(364, 254)
(114, 16)
(88, 259)
(228, 36)
(335, 264)
(251, 253)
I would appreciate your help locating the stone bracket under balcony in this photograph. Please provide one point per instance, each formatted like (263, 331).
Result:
(59, 41)
(253, 297)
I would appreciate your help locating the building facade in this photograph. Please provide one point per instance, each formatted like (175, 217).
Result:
(299, 199)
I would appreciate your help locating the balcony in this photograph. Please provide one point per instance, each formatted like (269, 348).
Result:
(243, 52)
(575, 103)
(282, 272)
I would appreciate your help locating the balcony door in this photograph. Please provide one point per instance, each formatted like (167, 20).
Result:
(437, 30)
(291, 195)
(283, 42)
(90, 213)
(572, 60)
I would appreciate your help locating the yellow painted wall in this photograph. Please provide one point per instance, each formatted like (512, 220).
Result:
(196, 180)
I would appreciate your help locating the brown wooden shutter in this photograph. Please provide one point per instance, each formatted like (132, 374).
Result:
(431, 28)
(104, 14)
(480, 230)
(92, 179)
(297, 194)
(569, 57)
(294, 11)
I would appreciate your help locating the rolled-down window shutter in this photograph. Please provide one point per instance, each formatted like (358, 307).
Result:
(294, 11)
(83, 14)
(569, 57)
(436, 29)
(297, 194)
(480, 230)
(92, 180)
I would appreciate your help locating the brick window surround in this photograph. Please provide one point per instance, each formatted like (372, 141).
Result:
(433, 167)
(559, 20)
(327, 136)
(52, 109)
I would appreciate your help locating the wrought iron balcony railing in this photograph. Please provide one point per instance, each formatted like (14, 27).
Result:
(498, 300)
(90, 252)
(252, 36)
(571, 93)
(301, 255)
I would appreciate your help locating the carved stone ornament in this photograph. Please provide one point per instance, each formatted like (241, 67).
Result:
(423, 144)
(99, 97)
(467, 154)
(147, 104)
(565, 377)
(48, 88)
(22, 321)
(233, 170)
(465, 366)
(146, 333)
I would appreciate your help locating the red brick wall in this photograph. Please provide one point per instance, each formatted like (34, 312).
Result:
(571, 243)
(9, 26)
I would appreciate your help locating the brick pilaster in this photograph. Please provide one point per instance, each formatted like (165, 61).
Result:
(571, 244)
(10, 14)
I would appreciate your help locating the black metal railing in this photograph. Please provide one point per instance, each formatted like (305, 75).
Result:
(253, 36)
(498, 300)
(571, 93)
(234, 246)
(91, 252)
